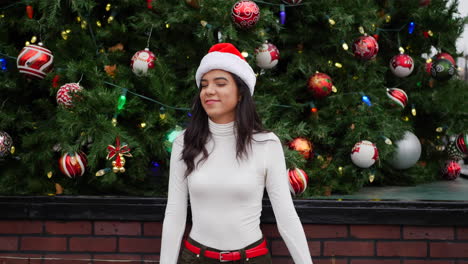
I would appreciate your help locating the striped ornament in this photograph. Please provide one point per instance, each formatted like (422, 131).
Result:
(298, 181)
(35, 61)
(461, 143)
(398, 96)
(64, 94)
(73, 164)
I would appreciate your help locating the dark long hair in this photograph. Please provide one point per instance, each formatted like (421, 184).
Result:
(197, 133)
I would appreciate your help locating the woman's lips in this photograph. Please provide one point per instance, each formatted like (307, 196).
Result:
(209, 102)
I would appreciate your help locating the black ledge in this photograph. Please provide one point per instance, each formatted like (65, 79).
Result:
(310, 211)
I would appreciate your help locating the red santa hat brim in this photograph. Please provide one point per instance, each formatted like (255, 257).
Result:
(224, 56)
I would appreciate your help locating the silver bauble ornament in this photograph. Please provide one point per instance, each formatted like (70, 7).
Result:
(407, 153)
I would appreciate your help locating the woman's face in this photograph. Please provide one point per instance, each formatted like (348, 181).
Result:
(219, 96)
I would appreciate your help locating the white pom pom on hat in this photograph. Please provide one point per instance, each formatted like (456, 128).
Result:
(225, 56)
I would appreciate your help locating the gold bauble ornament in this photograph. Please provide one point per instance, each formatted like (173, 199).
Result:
(122, 169)
(115, 169)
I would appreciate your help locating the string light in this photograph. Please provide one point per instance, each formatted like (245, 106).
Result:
(33, 39)
(282, 14)
(413, 110)
(108, 7)
(366, 99)
(245, 54)
(338, 65)
(344, 45)
(102, 172)
(411, 27)
(331, 21)
(3, 64)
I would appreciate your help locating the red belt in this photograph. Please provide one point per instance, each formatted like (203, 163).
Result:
(225, 256)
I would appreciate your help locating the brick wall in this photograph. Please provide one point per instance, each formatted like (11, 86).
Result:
(79, 242)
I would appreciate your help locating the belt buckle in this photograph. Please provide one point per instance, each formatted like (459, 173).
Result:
(221, 256)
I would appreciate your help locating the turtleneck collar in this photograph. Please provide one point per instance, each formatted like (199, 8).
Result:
(221, 129)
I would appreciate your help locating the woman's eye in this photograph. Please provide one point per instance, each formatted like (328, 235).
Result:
(221, 84)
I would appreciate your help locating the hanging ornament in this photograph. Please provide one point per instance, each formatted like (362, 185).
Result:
(442, 69)
(453, 152)
(402, 65)
(398, 96)
(73, 164)
(267, 56)
(364, 154)
(111, 70)
(460, 143)
(35, 61)
(66, 94)
(298, 181)
(142, 61)
(29, 11)
(193, 3)
(118, 152)
(6, 144)
(451, 170)
(445, 55)
(303, 146)
(407, 152)
(245, 14)
(365, 47)
(149, 4)
(320, 85)
(292, 2)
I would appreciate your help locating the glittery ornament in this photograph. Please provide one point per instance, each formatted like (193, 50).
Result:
(365, 47)
(402, 65)
(303, 146)
(364, 154)
(267, 56)
(453, 152)
(398, 96)
(142, 61)
(298, 181)
(245, 14)
(6, 143)
(442, 69)
(66, 92)
(451, 170)
(35, 61)
(320, 85)
(73, 164)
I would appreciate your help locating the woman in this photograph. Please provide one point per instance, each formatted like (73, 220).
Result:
(224, 160)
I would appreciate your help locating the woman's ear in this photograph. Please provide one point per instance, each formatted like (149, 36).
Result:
(240, 98)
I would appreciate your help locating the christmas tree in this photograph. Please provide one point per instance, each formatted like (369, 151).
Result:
(360, 92)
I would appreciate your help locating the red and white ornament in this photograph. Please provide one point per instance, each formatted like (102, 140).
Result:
(35, 61)
(65, 94)
(142, 61)
(267, 56)
(298, 181)
(398, 96)
(320, 85)
(460, 143)
(451, 171)
(364, 154)
(73, 164)
(245, 14)
(365, 47)
(402, 65)
(292, 2)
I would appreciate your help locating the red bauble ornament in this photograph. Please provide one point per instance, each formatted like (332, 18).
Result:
(142, 61)
(298, 181)
(73, 164)
(398, 96)
(460, 143)
(65, 94)
(320, 85)
(292, 2)
(402, 65)
(267, 56)
(365, 47)
(444, 55)
(303, 146)
(35, 61)
(451, 170)
(245, 14)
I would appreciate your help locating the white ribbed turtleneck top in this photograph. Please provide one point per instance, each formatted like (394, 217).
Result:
(226, 196)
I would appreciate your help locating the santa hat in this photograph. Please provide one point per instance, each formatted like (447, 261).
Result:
(224, 56)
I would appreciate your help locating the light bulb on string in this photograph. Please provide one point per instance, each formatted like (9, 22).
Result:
(413, 110)
(411, 27)
(344, 45)
(282, 14)
(162, 113)
(313, 108)
(108, 7)
(366, 99)
(3, 64)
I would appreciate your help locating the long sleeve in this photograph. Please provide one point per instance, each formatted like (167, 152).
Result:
(288, 222)
(176, 209)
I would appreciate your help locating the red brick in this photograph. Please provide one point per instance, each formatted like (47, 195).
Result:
(117, 228)
(15, 258)
(462, 233)
(20, 227)
(331, 261)
(348, 248)
(462, 262)
(147, 245)
(448, 250)
(326, 231)
(67, 259)
(152, 229)
(279, 248)
(104, 259)
(402, 249)
(422, 232)
(375, 231)
(44, 243)
(374, 261)
(93, 244)
(283, 261)
(68, 228)
(429, 262)
(270, 230)
(9, 243)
